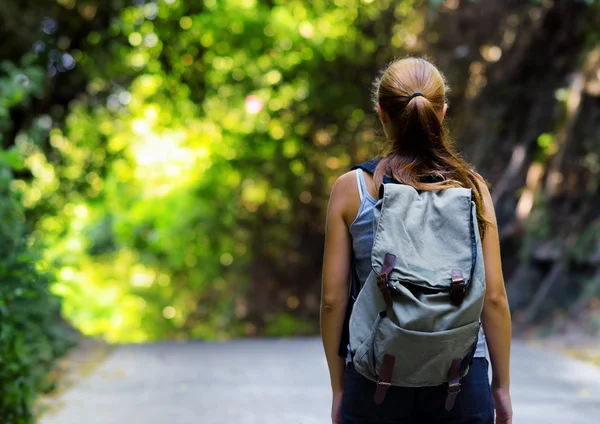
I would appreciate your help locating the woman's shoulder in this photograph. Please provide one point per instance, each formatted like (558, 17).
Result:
(481, 182)
(484, 189)
(345, 186)
(345, 196)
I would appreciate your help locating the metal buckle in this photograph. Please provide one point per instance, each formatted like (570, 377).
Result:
(454, 388)
(382, 281)
(384, 383)
(457, 275)
(393, 288)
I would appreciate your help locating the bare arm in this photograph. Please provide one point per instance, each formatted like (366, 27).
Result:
(496, 314)
(336, 264)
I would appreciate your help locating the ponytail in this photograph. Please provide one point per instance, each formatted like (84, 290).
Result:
(411, 95)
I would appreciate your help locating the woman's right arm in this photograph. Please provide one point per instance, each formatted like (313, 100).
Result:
(496, 314)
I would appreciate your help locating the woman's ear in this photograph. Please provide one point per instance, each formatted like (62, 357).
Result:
(444, 110)
(382, 115)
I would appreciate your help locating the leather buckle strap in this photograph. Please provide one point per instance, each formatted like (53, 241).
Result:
(453, 384)
(457, 287)
(385, 378)
(382, 284)
(389, 262)
(382, 279)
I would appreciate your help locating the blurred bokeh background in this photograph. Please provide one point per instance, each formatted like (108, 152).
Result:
(165, 165)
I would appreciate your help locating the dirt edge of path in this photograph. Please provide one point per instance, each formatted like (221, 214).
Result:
(79, 363)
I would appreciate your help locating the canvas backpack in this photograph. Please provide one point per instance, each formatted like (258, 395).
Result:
(416, 319)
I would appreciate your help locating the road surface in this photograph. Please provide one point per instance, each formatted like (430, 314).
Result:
(279, 381)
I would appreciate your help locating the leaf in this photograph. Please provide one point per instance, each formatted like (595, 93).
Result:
(11, 159)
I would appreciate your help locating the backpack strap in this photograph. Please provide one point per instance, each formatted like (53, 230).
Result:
(457, 287)
(368, 166)
(387, 367)
(457, 369)
(385, 379)
(354, 289)
(453, 383)
(382, 278)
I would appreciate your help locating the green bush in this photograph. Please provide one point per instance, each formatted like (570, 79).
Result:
(32, 334)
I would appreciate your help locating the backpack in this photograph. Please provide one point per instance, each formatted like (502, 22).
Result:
(416, 319)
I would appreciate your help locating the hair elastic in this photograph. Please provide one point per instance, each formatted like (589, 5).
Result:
(417, 94)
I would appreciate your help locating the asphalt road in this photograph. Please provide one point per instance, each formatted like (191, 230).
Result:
(279, 381)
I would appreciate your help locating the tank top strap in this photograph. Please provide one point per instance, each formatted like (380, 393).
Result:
(360, 181)
(363, 191)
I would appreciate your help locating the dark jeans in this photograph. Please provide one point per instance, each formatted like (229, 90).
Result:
(419, 405)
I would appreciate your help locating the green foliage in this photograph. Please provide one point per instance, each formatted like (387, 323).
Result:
(32, 334)
(286, 325)
(17, 85)
(185, 163)
(547, 147)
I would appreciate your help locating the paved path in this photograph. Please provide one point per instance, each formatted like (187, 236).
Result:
(284, 382)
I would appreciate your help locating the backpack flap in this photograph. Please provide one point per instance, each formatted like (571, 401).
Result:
(427, 232)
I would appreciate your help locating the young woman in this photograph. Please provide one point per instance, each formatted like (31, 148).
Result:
(410, 101)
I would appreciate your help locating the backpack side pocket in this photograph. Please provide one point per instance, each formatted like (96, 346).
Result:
(364, 358)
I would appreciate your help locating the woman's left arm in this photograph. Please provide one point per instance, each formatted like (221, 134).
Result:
(336, 272)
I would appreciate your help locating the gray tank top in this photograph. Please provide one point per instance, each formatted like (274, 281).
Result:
(361, 230)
